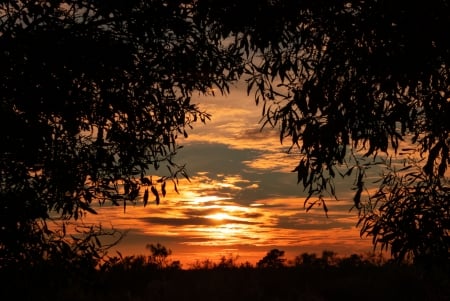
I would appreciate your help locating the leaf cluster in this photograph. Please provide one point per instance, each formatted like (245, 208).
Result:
(351, 77)
(345, 81)
(409, 215)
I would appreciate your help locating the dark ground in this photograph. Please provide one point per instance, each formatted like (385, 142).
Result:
(300, 283)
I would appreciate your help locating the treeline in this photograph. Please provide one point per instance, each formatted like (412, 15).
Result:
(156, 277)
(160, 259)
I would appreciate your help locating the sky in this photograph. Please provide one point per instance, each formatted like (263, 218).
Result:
(242, 199)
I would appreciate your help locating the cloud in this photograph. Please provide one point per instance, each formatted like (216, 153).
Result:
(241, 195)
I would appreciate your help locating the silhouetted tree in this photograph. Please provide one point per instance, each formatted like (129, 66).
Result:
(159, 255)
(228, 262)
(93, 97)
(328, 258)
(206, 264)
(306, 259)
(273, 259)
(352, 77)
(345, 82)
(355, 261)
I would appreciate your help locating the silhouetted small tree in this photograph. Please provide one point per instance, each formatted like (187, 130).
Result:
(328, 258)
(206, 264)
(228, 262)
(354, 260)
(273, 259)
(246, 265)
(306, 259)
(159, 255)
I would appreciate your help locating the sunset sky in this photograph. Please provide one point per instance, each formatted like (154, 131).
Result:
(242, 199)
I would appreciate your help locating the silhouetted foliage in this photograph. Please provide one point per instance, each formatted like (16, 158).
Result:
(328, 258)
(157, 260)
(306, 259)
(132, 278)
(410, 213)
(225, 263)
(98, 92)
(159, 255)
(274, 259)
(362, 80)
(348, 81)
(228, 262)
(206, 264)
(311, 260)
(94, 95)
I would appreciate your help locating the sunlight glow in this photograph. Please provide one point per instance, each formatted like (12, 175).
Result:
(241, 196)
(219, 216)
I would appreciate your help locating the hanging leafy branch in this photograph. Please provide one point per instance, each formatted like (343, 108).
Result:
(97, 93)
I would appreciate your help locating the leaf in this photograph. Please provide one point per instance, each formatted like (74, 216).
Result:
(88, 196)
(156, 194)
(87, 208)
(349, 171)
(357, 198)
(310, 206)
(325, 208)
(163, 189)
(405, 168)
(331, 171)
(302, 172)
(146, 181)
(97, 241)
(145, 197)
(127, 188)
